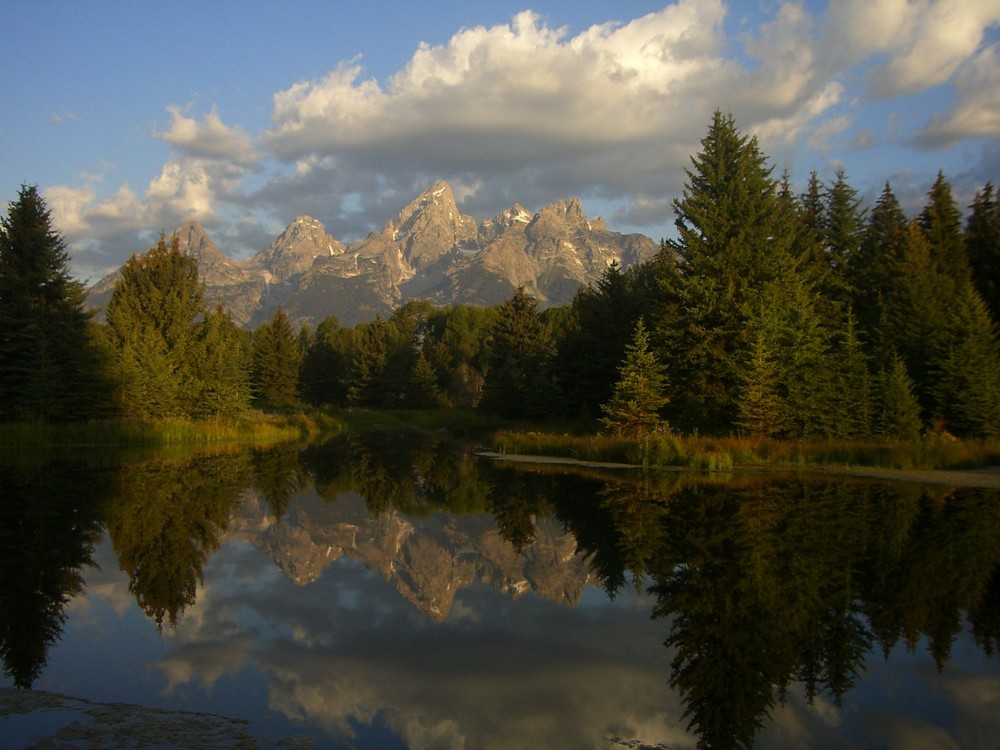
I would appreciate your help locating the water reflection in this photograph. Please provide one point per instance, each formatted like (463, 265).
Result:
(766, 589)
(49, 524)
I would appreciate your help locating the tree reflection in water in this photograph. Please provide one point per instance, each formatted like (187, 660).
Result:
(763, 581)
(49, 525)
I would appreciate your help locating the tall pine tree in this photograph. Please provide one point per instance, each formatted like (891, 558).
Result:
(517, 381)
(736, 237)
(982, 244)
(151, 318)
(49, 365)
(873, 269)
(277, 359)
(941, 223)
(639, 395)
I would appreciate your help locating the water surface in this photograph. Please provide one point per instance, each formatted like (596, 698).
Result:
(381, 592)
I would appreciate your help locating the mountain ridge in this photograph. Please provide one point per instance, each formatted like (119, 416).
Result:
(429, 250)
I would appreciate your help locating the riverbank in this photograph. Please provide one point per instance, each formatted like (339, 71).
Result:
(986, 478)
(933, 453)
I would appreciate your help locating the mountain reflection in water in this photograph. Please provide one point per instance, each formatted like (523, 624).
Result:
(393, 590)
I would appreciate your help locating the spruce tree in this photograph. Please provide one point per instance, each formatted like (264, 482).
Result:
(519, 360)
(221, 366)
(898, 414)
(941, 223)
(326, 364)
(276, 362)
(809, 210)
(852, 386)
(914, 317)
(967, 377)
(49, 364)
(735, 236)
(589, 354)
(982, 244)
(873, 269)
(424, 392)
(639, 395)
(843, 227)
(762, 410)
(367, 386)
(151, 317)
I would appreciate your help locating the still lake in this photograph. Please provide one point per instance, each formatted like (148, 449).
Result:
(393, 590)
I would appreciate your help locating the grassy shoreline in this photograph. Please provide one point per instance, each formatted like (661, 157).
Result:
(573, 440)
(725, 453)
(579, 441)
(252, 427)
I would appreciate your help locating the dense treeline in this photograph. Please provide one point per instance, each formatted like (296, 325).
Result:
(771, 313)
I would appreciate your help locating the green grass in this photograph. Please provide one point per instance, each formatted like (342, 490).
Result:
(251, 427)
(726, 453)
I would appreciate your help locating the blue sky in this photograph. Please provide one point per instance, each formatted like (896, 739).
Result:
(135, 117)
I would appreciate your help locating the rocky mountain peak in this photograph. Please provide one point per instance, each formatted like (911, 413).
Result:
(431, 225)
(193, 240)
(430, 251)
(295, 249)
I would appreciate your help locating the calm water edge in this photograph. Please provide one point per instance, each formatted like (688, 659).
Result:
(393, 590)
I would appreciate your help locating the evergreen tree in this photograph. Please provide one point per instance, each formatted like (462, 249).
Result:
(220, 366)
(276, 362)
(517, 383)
(424, 391)
(852, 385)
(982, 244)
(809, 243)
(914, 317)
(639, 395)
(327, 363)
(967, 384)
(590, 352)
(49, 363)
(941, 223)
(843, 227)
(367, 387)
(798, 343)
(873, 269)
(898, 415)
(762, 411)
(150, 320)
(735, 236)
(464, 332)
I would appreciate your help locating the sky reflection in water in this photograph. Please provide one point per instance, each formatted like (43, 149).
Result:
(417, 630)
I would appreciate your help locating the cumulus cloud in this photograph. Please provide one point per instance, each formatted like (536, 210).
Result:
(209, 139)
(916, 44)
(503, 96)
(976, 113)
(527, 112)
(932, 40)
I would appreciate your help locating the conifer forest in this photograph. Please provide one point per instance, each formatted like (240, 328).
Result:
(771, 312)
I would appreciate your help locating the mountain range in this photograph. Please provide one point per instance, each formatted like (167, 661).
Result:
(430, 251)
(428, 560)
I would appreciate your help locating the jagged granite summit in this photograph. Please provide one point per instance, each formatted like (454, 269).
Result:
(429, 251)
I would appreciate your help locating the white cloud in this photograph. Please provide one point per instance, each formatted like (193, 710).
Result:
(511, 93)
(935, 40)
(976, 113)
(209, 139)
(526, 111)
(915, 44)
